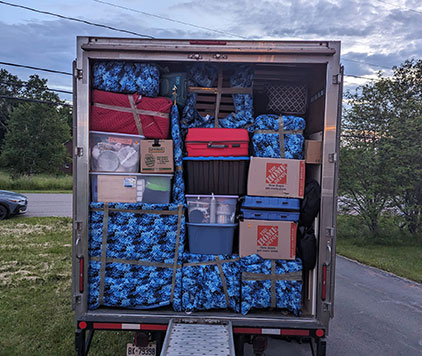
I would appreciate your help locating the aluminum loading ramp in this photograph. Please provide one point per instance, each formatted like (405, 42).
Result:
(198, 338)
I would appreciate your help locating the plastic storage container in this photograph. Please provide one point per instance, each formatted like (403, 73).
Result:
(211, 209)
(131, 188)
(270, 215)
(217, 142)
(219, 175)
(271, 203)
(114, 152)
(211, 239)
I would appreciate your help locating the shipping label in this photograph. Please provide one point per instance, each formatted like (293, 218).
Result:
(129, 182)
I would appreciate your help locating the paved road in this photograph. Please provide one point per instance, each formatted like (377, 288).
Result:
(375, 313)
(49, 205)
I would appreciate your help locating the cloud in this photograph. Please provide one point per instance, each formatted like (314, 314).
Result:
(370, 32)
(52, 45)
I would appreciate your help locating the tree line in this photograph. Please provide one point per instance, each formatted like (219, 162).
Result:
(381, 149)
(33, 131)
(380, 156)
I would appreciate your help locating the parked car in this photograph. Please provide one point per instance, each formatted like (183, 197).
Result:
(12, 203)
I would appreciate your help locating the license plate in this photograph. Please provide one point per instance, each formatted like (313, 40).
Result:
(150, 350)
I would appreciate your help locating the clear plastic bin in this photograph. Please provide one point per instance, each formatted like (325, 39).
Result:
(212, 209)
(114, 152)
(131, 188)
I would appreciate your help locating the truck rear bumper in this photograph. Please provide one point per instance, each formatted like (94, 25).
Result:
(252, 320)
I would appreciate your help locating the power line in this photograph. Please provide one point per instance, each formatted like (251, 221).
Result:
(163, 18)
(23, 84)
(74, 19)
(35, 100)
(360, 77)
(367, 63)
(209, 29)
(169, 19)
(35, 68)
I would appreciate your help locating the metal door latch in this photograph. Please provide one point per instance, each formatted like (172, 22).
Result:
(332, 157)
(79, 74)
(79, 151)
(336, 79)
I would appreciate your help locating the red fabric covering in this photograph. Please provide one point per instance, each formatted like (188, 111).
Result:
(104, 119)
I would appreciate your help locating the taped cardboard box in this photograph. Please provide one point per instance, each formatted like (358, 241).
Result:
(276, 177)
(131, 188)
(157, 156)
(267, 238)
(313, 151)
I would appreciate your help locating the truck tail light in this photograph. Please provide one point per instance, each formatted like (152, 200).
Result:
(81, 274)
(324, 282)
(319, 332)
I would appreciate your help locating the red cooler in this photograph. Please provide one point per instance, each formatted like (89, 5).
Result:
(217, 142)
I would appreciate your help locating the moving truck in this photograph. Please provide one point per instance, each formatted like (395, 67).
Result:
(313, 68)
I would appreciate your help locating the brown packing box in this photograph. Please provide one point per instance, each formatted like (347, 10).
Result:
(157, 156)
(269, 239)
(116, 188)
(276, 177)
(313, 151)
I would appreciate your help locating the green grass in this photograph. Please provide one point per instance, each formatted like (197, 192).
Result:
(44, 191)
(35, 283)
(394, 250)
(36, 183)
(35, 291)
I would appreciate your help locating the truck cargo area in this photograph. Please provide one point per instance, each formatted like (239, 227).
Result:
(311, 72)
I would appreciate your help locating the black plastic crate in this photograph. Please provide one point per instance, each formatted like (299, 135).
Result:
(218, 175)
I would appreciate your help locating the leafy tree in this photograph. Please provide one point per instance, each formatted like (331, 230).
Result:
(34, 142)
(405, 147)
(10, 85)
(364, 173)
(381, 164)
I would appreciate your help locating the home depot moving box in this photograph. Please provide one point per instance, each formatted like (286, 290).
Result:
(157, 156)
(267, 238)
(276, 177)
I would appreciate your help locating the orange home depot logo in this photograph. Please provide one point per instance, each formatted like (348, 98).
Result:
(276, 173)
(267, 235)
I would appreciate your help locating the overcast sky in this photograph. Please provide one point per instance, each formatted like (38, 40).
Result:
(383, 33)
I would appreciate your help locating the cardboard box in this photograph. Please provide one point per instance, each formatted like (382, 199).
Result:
(157, 156)
(116, 188)
(267, 238)
(313, 152)
(276, 177)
